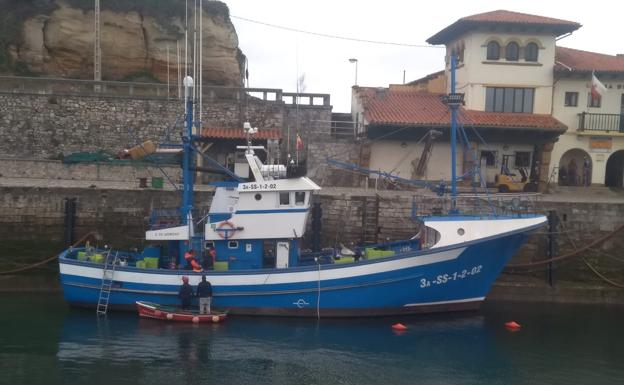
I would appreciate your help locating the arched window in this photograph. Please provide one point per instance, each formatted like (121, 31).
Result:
(493, 51)
(530, 52)
(512, 51)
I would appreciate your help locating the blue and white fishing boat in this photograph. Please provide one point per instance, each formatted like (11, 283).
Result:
(255, 228)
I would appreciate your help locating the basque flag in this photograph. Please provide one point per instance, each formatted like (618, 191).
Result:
(597, 88)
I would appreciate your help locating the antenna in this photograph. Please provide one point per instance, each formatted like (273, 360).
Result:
(201, 61)
(97, 52)
(186, 38)
(178, 66)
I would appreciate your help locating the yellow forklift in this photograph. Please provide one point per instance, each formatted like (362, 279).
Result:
(506, 181)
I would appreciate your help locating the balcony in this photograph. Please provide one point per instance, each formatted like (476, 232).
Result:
(589, 122)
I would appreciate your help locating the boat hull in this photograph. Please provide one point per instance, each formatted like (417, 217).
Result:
(445, 279)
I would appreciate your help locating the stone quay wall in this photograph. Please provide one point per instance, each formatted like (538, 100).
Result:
(57, 170)
(121, 216)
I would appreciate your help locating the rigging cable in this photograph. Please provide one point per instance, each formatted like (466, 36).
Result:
(329, 36)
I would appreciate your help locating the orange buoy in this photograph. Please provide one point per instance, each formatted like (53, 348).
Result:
(169, 316)
(399, 327)
(195, 319)
(215, 318)
(513, 325)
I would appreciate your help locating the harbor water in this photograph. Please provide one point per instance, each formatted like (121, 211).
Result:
(42, 341)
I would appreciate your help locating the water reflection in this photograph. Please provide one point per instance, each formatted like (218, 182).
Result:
(281, 350)
(42, 341)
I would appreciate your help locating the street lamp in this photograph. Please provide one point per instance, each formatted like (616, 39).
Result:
(354, 60)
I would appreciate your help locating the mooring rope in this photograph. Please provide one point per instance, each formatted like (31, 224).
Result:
(43, 262)
(570, 254)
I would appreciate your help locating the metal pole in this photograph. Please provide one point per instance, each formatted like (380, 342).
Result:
(453, 139)
(167, 71)
(553, 225)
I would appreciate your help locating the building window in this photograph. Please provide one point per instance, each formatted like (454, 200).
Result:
(299, 198)
(523, 159)
(507, 99)
(489, 158)
(530, 52)
(284, 199)
(512, 51)
(571, 99)
(493, 51)
(593, 102)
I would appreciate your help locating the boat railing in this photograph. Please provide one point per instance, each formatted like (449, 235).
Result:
(483, 205)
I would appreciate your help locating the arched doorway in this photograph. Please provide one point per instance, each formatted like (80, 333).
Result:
(614, 175)
(575, 168)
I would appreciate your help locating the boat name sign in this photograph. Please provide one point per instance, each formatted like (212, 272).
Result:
(443, 279)
(259, 186)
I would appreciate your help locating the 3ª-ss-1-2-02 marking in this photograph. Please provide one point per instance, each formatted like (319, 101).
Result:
(442, 279)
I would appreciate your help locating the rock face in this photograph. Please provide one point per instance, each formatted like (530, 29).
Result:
(133, 44)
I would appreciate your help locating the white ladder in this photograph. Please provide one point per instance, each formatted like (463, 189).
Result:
(107, 282)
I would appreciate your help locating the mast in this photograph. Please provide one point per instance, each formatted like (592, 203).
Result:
(453, 100)
(187, 175)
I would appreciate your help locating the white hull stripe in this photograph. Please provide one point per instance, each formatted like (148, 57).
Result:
(252, 293)
(268, 278)
(445, 302)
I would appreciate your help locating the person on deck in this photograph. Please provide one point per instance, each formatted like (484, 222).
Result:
(191, 261)
(209, 258)
(186, 293)
(204, 292)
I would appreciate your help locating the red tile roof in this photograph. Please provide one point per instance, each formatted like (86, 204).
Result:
(568, 59)
(502, 17)
(239, 133)
(384, 107)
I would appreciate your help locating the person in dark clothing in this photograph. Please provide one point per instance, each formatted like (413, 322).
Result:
(186, 293)
(204, 292)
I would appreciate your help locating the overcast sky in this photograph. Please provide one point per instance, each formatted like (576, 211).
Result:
(278, 57)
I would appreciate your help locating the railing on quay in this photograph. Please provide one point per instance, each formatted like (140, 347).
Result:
(58, 86)
(601, 122)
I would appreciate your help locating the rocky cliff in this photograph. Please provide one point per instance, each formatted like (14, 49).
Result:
(56, 38)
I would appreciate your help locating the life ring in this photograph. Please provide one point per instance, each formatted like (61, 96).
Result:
(226, 229)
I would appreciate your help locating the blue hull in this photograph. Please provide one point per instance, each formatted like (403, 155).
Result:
(460, 280)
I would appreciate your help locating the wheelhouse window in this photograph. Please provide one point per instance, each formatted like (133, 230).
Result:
(299, 198)
(233, 245)
(284, 199)
(530, 52)
(489, 158)
(512, 51)
(507, 99)
(493, 51)
(571, 99)
(523, 159)
(592, 101)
